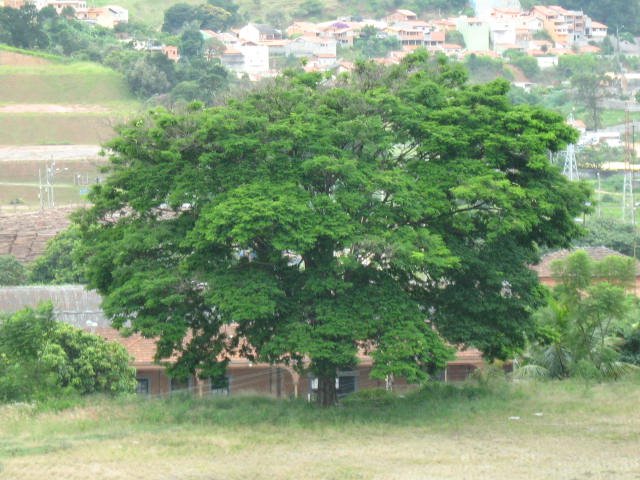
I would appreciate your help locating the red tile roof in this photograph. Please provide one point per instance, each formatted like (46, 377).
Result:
(543, 269)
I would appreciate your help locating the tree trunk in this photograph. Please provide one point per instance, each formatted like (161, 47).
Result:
(327, 395)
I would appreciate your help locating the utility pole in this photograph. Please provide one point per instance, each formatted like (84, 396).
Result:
(570, 167)
(628, 199)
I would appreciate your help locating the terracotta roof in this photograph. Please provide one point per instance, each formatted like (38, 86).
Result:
(543, 269)
(408, 13)
(468, 356)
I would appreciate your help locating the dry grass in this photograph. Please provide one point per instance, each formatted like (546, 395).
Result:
(55, 129)
(583, 433)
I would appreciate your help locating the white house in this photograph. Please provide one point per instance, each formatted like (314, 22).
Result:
(311, 46)
(258, 32)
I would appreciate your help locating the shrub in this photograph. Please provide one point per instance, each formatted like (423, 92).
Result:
(41, 358)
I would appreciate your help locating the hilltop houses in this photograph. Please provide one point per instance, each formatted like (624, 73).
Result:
(107, 16)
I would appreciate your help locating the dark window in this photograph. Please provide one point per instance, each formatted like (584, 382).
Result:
(346, 384)
(142, 388)
(179, 384)
(220, 386)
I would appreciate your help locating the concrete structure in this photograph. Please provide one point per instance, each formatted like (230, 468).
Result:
(108, 16)
(475, 32)
(483, 8)
(311, 46)
(258, 32)
(401, 16)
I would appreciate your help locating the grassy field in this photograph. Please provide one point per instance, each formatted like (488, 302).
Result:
(78, 83)
(58, 129)
(542, 430)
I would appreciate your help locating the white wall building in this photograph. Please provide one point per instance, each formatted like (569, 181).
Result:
(311, 46)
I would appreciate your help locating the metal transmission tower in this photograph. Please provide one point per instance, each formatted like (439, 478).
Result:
(45, 181)
(568, 157)
(570, 168)
(628, 199)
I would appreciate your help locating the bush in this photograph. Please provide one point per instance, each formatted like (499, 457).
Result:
(12, 272)
(41, 358)
(371, 397)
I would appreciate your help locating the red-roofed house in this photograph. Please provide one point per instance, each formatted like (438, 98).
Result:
(401, 15)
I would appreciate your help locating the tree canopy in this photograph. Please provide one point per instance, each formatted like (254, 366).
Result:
(12, 272)
(387, 212)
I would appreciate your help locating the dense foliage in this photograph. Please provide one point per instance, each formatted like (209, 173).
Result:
(12, 272)
(215, 15)
(57, 265)
(41, 358)
(327, 219)
(615, 234)
(147, 73)
(591, 303)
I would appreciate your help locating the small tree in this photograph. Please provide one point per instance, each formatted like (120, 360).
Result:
(12, 272)
(588, 92)
(40, 358)
(587, 306)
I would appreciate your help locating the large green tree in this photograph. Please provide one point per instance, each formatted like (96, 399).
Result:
(385, 212)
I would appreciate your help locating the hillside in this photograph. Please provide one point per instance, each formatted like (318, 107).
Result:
(151, 11)
(47, 102)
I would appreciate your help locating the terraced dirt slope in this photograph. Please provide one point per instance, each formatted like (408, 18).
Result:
(25, 234)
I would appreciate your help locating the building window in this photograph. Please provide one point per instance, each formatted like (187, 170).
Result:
(142, 387)
(180, 384)
(221, 386)
(346, 383)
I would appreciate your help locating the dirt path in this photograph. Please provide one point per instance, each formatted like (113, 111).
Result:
(49, 152)
(51, 108)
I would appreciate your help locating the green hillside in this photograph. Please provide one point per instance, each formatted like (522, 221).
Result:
(151, 11)
(46, 100)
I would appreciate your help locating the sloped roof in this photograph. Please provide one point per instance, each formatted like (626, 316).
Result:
(265, 29)
(72, 304)
(79, 307)
(543, 269)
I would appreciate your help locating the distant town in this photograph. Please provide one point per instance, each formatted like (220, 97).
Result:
(258, 50)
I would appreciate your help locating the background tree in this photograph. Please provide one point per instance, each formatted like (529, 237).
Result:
(373, 43)
(12, 272)
(191, 43)
(588, 91)
(615, 234)
(323, 220)
(57, 264)
(588, 305)
(41, 358)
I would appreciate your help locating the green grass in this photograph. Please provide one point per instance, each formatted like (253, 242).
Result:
(533, 430)
(55, 129)
(617, 117)
(151, 12)
(73, 83)
(33, 53)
